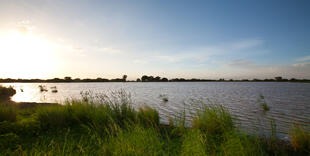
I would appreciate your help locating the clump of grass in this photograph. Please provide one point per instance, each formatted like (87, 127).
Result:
(236, 143)
(263, 103)
(54, 117)
(99, 110)
(265, 106)
(164, 97)
(42, 88)
(300, 139)
(214, 120)
(148, 116)
(54, 89)
(6, 93)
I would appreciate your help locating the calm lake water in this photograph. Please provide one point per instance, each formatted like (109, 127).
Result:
(289, 102)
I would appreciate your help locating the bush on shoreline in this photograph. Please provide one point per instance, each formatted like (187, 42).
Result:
(109, 125)
(6, 93)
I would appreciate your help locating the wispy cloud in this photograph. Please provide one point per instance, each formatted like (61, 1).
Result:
(304, 64)
(305, 58)
(111, 50)
(138, 61)
(250, 43)
(242, 63)
(203, 54)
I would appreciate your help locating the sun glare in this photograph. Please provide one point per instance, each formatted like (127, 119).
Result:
(24, 54)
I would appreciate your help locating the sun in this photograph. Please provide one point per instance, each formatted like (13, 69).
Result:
(24, 55)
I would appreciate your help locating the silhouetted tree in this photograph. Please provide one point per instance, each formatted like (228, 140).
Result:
(278, 78)
(124, 77)
(68, 78)
(144, 78)
(157, 78)
(164, 79)
(138, 80)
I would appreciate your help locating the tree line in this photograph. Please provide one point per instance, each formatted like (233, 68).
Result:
(146, 78)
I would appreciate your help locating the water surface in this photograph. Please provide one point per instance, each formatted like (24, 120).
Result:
(289, 102)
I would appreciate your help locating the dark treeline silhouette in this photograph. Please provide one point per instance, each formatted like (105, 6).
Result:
(146, 78)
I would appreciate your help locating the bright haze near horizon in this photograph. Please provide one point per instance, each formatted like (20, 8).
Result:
(189, 39)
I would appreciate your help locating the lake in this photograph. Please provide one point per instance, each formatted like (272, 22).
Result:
(289, 102)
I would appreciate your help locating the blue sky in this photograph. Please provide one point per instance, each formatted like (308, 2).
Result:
(201, 39)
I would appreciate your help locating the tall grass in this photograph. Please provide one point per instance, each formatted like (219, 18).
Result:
(193, 143)
(8, 113)
(214, 120)
(300, 139)
(148, 117)
(136, 141)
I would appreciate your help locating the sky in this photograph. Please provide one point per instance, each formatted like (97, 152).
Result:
(191, 39)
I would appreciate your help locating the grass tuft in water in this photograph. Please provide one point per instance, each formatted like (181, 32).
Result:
(263, 103)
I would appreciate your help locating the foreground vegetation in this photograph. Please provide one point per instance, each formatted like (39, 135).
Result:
(109, 125)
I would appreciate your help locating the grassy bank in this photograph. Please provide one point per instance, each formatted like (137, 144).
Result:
(108, 125)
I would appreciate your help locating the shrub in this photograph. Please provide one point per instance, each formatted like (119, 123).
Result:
(6, 93)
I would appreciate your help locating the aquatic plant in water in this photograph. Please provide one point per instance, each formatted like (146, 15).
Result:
(263, 103)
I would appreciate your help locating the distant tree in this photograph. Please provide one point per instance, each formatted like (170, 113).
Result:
(124, 77)
(157, 78)
(138, 80)
(68, 78)
(77, 80)
(279, 78)
(256, 79)
(164, 79)
(144, 78)
(151, 78)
